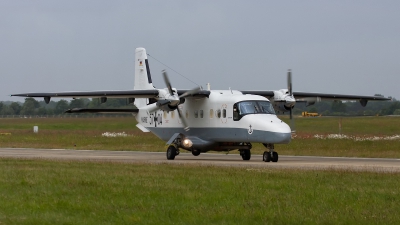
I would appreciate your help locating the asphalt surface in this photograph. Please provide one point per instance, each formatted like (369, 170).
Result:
(209, 159)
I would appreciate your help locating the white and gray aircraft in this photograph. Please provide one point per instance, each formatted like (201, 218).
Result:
(200, 120)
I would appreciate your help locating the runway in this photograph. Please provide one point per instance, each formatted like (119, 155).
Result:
(208, 159)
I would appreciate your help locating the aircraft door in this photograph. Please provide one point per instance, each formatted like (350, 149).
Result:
(222, 114)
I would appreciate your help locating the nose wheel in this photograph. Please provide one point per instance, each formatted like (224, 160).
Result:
(172, 151)
(246, 154)
(270, 155)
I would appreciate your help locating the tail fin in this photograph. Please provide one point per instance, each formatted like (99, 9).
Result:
(142, 75)
(142, 71)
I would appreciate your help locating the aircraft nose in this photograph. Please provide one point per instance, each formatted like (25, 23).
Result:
(281, 138)
(282, 134)
(277, 131)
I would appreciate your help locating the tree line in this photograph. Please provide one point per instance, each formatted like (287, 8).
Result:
(351, 108)
(32, 107)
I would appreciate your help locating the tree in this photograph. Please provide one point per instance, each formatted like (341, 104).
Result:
(61, 107)
(338, 106)
(6, 110)
(391, 109)
(28, 108)
(16, 107)
(42, 111)
(313, 109)
(35, 103)
(76, 103)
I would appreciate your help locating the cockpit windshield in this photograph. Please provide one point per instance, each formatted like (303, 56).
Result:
(241, 109)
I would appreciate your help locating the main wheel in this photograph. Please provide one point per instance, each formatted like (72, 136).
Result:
(195, 152)
(246, 154)
(267, 156)
(274, 157)
(171, 152)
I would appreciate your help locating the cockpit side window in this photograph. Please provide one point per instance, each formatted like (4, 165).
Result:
(266, 107)
(236, 116)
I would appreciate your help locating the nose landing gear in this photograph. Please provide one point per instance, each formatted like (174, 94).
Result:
(270, 155)
(172, 151)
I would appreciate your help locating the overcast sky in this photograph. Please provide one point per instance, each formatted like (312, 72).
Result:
(348, 47)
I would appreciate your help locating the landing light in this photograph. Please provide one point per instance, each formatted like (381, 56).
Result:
(187, 143)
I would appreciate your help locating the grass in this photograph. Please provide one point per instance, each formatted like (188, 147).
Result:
(46, 192)
(85, 133)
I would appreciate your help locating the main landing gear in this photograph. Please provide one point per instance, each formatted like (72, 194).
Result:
(270, 155)
(195, 152)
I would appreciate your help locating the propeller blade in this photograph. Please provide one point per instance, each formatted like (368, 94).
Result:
(190, 92)
(167, 83)
(184, 122)
(289, 82)
(292, 123)
(151, 108)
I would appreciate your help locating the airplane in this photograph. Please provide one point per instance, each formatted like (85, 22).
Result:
(200, 120)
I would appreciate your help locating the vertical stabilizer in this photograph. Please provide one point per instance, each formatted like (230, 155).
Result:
(142, 71)
(142, 75)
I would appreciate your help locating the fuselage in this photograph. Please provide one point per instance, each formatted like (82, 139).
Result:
(226, 116)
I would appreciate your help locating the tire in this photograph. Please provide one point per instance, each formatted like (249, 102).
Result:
(274, 157)
(267, 156)
(171, 152)
(246, 155)
(195, 152)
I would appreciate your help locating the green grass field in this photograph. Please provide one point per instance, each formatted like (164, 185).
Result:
(86, 133)
(63, 192)
(60, 192)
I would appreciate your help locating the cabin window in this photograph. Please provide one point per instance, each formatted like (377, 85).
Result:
(165, 114)
(201, 113)
(218, 113)
(241, 109)
(211, 113)
(196, 114)
(172, 114)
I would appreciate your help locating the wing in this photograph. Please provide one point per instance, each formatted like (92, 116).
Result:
(200, 93)
(80, 110)
(311, 98)
(267, 94)
(300, 95)
(94, 94)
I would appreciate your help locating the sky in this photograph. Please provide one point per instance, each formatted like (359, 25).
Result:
(340, 47)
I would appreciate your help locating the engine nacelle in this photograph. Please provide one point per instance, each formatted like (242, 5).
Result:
(280, 107)
(165, 105)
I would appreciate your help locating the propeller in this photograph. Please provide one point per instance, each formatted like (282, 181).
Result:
(290, 90)
(173, 100)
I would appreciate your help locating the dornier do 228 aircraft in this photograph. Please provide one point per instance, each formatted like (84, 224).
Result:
(200, 120)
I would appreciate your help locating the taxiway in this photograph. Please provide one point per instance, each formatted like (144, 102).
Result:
(210, 159)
